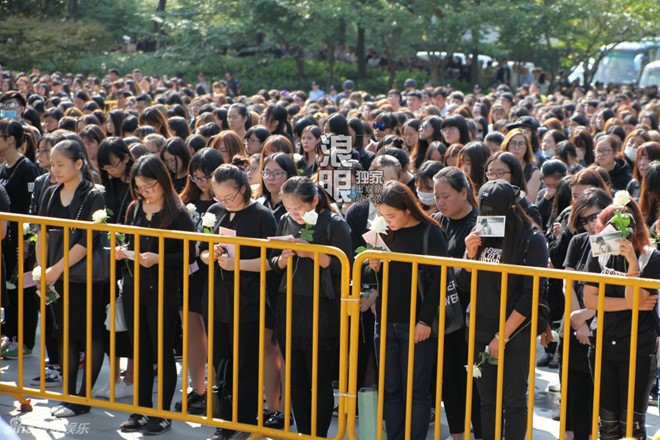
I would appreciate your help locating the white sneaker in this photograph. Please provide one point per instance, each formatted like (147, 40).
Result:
(555, 387)
(52, 378)
(122, 389)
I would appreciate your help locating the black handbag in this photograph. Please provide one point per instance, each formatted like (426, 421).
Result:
(100, 253)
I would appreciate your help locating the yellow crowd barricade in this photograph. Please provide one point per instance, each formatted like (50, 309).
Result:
(345, 399)
(348, 336)
(537, 275)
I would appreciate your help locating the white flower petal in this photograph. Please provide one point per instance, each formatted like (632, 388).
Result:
(191, 208)
(208, 220)
(621, 198)
(99, 216)
(378, 225)
(310, 217)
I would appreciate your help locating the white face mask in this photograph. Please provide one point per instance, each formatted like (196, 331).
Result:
(427, 198)
(549, 153)
(631, 153)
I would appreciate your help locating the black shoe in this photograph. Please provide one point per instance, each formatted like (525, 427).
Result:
(222, 434)
(553, 363)
(157, 426)
(275, 420)
(196, 404)
(134, 423)
(71, 410)
(544, 361)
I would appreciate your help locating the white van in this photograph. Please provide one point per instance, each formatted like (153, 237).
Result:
(650, 75)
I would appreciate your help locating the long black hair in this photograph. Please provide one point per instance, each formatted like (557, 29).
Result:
(151, 167)
(113, 146)
(305, 190)
(206, 160)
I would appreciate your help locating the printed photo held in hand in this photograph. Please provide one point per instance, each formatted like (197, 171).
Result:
(491, 225)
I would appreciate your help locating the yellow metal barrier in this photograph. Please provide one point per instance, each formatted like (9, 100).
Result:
(348, 309)
(348, 337)
(537, 274)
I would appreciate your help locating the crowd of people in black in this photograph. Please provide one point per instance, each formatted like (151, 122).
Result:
(161, 153)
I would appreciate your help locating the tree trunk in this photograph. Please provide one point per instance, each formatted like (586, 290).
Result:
(360, 51)
(159, 9)
(72, 10)
(434, 70)
(331, 64)
(475, 68)
(300, 61)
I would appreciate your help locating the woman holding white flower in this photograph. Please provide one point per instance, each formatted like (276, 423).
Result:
(310, 218)
(637, 258)
(74, 197)
(155, 205)
(408, 225)
(198, 197)
(237, 211)
(522, 244)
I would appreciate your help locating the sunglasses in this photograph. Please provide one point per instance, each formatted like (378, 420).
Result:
(380, 126)
(588, 219)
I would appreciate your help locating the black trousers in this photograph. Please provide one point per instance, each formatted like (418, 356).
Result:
(454, 385)
(579, 408)
(31, 304)
(148, 340)
(301, 388)
(248, 366)
(514, 402)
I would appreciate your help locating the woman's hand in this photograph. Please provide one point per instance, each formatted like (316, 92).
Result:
(367, 302)
(148, 259)
(219, 251)
(472, 243)
(557, 229)
(648, 303)
(582, 334)
(628, 251)
(53, 273)
(284, 257)
(227, 263)
(422, 332)
(494, 348)
(375, 265)
(119, 253)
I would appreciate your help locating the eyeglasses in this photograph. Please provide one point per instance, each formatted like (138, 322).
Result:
(226, 200)
(203, 180)
(424, 126)
(170, 162)
(602, 152)
(520, 145)
(496, 174)
(146, 189)
(274, 174)
(448, 129)
(110, 167)
(380, 126)
(9, 105)
(588, 219)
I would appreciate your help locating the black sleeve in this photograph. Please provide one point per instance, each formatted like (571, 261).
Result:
(274, 254)
(4, 200)
(537, 256)
(559, 247)
(572, 254)
(340, 237)
(183, 222)
(437, 247)
(94, 202)
(593, 266)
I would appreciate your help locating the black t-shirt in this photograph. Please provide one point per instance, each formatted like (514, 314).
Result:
(577, 258)
(456, 231)
(254, 221)
(117, 199)
(616, 325)
(409, 241)
(18, 181)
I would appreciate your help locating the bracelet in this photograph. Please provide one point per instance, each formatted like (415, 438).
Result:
(497, 336)
(634, 274)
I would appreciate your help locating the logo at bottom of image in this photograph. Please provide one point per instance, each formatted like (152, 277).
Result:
(72, 428)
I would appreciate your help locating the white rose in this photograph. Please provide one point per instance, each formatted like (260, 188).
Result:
(310, 217)
(208, 220)
(378, 225)
(297, 157)
(555, 336)
(36, 274)
(476, 371)
(621, 198)
(191, 208)
(100, 216)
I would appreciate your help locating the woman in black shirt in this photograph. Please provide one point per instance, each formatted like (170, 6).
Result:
(408, 223)
(583, 220)
(300, 196)
(74, 197)
(638, 259)
(521, 244)
(198, 198)
(155, 205)
(454, 197)
(237, 211)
